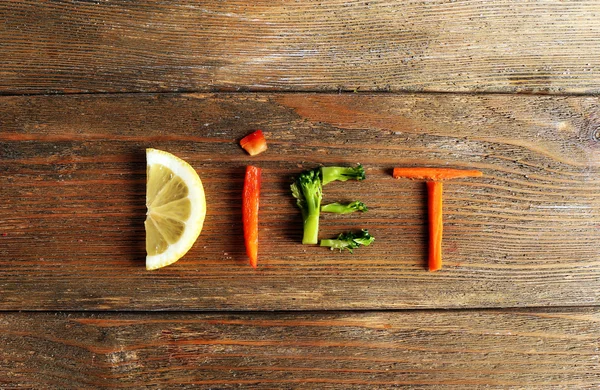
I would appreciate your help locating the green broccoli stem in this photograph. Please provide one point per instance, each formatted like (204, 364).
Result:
(340, 208)
(329, 174)
(311, 228)
(349, 240)
(337, 208)
(312, 192)
(334, 244)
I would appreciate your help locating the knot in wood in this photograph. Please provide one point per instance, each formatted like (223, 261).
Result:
(591, 128)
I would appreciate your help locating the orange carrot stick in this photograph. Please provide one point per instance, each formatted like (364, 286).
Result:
(434, 174)
(434, 203)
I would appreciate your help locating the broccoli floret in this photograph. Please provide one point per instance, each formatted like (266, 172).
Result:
(349, 240)
(329, 174)
(308, 191)
(340, 208)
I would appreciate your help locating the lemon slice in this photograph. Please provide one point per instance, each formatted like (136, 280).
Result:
(176, 208)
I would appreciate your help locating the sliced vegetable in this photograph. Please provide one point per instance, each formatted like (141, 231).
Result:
(344, 208)
(308, 191)
(436, 227)
(434, 202)
(349, 240)
(250, 201)
(254, 143)
(329, 174)
(434, 174)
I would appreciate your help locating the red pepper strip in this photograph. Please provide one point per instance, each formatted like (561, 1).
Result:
(434, 203)
(250, 197)
(254, 143)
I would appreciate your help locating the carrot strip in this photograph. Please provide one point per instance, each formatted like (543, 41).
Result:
(434, 173)
(434, 203)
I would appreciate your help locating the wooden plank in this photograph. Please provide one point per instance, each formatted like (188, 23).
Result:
(439, 45)
(335, 350)
(526, 234)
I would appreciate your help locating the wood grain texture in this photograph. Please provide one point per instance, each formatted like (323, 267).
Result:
(551, 349)
(481, 45)
(526, 234)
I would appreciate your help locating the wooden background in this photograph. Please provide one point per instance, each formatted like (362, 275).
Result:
(507, 87)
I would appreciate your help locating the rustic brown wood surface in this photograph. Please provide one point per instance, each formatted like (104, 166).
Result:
(440, 45)
(418, 349)
(508, 87)
(525, 234)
